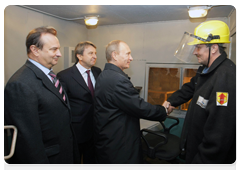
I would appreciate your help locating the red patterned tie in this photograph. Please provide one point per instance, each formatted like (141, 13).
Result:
(90, 85)
(57, 84)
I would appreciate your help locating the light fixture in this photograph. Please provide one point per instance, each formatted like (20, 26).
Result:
(198, 11)
(90, 21)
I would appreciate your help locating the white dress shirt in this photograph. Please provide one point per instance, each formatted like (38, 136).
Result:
(44, 69)
(82, 71)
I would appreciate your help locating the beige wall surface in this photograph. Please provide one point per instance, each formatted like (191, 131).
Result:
(153, 42)
(17, 24)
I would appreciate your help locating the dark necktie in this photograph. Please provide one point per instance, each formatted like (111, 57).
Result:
(90, 85)
(57, 84)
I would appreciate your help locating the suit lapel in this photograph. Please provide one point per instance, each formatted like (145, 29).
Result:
(78, 78)
(95, 73)
(45, 80)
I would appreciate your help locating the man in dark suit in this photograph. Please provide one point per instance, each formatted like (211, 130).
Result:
(76, 82)
(118, 109)
(36, 104)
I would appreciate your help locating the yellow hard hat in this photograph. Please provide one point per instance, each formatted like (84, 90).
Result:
(211, 32)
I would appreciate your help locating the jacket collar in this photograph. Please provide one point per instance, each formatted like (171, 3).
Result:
(217, 62)
(110, 66)
(46, 82)
(78, 77)
(94, 71)
(38, 72)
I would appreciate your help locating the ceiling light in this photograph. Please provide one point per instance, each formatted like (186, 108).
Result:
(198, 11)
(91, 20)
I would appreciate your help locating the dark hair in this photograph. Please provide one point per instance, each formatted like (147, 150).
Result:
(80, 47)
(220, 46)
(34, 37)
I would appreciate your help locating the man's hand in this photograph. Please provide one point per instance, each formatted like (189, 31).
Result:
(168, 107)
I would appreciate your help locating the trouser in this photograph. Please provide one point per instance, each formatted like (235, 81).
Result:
(86, 151)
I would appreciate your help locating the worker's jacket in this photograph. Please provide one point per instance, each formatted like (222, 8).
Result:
(209, 131)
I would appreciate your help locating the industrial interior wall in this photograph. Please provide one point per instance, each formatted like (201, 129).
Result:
(153, 42)
(19, 21)
(150, 42)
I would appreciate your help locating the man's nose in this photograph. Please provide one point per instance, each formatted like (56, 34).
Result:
(131, 59)
(59, 53)
(195, 51)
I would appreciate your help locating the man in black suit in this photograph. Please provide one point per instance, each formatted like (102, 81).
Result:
(33, 103)
(118, 109)
(75, 81)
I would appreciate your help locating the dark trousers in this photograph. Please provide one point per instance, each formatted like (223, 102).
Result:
(86, 151)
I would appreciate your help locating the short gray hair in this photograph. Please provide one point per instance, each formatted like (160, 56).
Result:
(111, 47)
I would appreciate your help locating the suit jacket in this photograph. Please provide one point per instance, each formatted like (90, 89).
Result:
(118, 109)
(36, 108)
(80, 100)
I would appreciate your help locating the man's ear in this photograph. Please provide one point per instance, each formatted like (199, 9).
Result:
(34, 50)
(79, 56)
(214, 48)
(114, 55)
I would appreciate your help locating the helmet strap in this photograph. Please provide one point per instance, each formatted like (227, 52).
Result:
(211, 37)
(209, 56)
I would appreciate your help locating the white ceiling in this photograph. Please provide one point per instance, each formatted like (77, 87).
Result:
(126, 14)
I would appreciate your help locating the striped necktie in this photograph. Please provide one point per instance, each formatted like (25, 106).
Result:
(57, 84)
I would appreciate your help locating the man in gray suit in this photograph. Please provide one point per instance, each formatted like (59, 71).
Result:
(37, 105)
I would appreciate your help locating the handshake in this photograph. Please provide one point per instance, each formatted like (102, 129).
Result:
(168, 107)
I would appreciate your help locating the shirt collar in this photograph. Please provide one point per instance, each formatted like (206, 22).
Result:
(40, 66)
(217, 62)
(81, 68)
(205, 70)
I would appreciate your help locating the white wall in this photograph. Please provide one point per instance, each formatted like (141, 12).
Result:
(149, 42)
(153, 42)
(19, 21)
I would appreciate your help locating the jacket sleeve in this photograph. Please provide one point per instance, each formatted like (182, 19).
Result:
(127, 98)
(21, 110)
(184, 94)
(220, 127)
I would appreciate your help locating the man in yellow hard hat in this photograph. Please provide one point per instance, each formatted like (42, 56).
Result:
(209, 131)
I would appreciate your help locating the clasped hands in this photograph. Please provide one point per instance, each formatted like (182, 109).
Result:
(168, 107)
